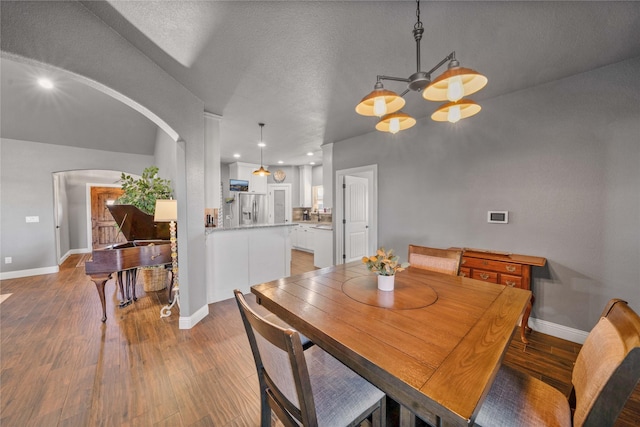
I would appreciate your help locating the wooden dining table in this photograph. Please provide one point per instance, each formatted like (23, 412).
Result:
(434, 344)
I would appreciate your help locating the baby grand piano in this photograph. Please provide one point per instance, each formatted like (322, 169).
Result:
(147, 244)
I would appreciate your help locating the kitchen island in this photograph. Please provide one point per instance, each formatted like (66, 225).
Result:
(240, 257)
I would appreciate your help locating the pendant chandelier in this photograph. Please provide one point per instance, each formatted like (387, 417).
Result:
(262, 171)
(452, 85)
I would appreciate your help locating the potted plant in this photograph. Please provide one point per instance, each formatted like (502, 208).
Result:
(142, 193)
(385, 264)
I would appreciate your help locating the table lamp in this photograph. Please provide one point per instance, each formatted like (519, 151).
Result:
(167, 211)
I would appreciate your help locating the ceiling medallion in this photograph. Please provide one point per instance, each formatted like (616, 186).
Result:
(279, 176)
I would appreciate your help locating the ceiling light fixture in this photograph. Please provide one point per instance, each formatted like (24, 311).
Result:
(262, 171)
(45, 83)
(452, 85)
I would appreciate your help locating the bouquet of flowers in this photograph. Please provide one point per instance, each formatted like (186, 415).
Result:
(384, 263)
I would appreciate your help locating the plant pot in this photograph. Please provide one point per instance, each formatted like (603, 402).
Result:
(154, 279)
(386, 283)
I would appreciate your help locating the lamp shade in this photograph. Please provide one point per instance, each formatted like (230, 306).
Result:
(395, 122)
(262, 171)
(438, 89)
(380, 102)
(454, 111)
(166, 211)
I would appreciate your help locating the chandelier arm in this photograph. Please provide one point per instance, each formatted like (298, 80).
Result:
(406, 91)
(397, 79)
(449, 57)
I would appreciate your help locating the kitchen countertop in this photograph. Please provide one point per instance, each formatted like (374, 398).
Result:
(322, 226)
(210, 230)
(313, 222)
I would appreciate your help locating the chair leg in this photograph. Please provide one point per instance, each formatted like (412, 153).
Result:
(265, 410)
(379, 416)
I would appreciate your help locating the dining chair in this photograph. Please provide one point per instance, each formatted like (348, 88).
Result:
(445, 261)
(270, 317)
(605, 374)
(309, 388)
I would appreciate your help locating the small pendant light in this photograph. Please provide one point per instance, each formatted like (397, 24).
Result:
(262, 171)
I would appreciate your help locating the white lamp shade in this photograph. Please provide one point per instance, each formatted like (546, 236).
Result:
(166, 211)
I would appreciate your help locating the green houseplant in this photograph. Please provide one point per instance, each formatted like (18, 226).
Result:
(142, 193)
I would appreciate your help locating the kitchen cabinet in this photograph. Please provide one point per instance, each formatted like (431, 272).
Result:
(238, 258)
(303, 237)
(323, 246)
(244, 171)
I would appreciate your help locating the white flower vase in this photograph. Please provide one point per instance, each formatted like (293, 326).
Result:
(386, 283)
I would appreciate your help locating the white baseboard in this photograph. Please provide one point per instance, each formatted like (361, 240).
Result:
(191, 321)
(558, 331)
(74, 252)
(25, 273)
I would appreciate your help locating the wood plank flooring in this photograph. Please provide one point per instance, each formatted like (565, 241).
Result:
(61, 366)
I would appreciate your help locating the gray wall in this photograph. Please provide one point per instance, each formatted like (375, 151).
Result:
(26, 188)
(562, 158)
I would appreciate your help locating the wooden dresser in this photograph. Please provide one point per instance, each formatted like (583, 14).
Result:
(504, 268)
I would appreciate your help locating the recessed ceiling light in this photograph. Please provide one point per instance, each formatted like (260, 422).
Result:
(280, 162)
(312, 163)
(237, 156)
(45, 83)
(261, 144)
(309, 153)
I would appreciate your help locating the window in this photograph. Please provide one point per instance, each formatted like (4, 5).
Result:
(318, 194)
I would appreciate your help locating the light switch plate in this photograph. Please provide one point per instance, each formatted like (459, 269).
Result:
(32, 219)
(498, 217)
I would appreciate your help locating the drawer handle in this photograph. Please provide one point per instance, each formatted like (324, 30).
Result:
(484, 276)
(508, 283)
(464, 260)
(510, 268)
(484, 262)
(463, 274)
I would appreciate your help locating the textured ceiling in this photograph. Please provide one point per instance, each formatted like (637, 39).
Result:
(301, 67)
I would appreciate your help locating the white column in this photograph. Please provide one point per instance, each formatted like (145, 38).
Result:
(212, 161)
(327, 174)
(305, 185)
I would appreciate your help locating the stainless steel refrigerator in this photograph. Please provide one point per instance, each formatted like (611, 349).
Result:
(253, 208)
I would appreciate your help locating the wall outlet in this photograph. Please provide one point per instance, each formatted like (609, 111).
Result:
(8, 260)
(32, 219)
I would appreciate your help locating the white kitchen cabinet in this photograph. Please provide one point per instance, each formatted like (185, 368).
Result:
(294, 236)
(238, 258)
(304, 237)
(244, 171)
(323, 246)
(258, 184)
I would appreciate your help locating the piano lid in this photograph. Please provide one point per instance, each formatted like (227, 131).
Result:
(137, 225)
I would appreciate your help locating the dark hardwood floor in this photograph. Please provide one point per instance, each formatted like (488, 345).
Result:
(61, 366)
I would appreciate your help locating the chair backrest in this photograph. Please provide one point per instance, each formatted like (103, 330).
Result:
(441, 260)
(607, 368)
(281, 365)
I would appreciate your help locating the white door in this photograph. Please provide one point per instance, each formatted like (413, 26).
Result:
(356, 226)
(280, 209)
(279, 206)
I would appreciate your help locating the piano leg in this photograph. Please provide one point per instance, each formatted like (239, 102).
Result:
(132, 279)
(124, 290)
(100, 282)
